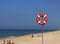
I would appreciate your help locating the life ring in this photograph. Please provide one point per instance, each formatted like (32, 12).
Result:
(45, 19)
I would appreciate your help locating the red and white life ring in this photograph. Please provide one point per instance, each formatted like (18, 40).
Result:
(45, 19)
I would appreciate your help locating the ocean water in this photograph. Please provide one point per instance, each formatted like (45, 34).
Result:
(12, 33)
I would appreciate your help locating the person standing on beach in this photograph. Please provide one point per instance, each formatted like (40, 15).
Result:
(32, 36)
(3, 42)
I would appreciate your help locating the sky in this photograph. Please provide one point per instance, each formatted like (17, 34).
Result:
(21, 14)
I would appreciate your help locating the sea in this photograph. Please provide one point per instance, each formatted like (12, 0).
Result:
(15, 33)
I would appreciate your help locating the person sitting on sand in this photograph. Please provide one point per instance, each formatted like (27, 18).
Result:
(3, 42)
(12, 42)
(8, 42)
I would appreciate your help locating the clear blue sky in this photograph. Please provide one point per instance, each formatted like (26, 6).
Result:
(21, 14)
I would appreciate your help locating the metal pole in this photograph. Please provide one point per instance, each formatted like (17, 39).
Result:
(42, 34)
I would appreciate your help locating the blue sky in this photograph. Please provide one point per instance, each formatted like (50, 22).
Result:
(21, 14)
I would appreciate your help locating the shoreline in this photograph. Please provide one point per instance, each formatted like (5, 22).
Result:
(1, 38)
(49, 38)
(7, 37)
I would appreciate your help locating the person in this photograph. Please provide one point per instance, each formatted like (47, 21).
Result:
(3, 42)
(7, 42)
(12, 42)
(32, 36)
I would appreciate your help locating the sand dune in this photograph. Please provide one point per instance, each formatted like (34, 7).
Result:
(49, 38)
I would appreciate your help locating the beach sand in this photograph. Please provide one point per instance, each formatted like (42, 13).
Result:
(49, 38)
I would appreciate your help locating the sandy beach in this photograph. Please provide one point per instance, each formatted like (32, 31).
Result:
(49, 38)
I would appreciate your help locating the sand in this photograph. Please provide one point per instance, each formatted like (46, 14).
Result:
(49, 38)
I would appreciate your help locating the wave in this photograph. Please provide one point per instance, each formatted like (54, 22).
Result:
(7, 37)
